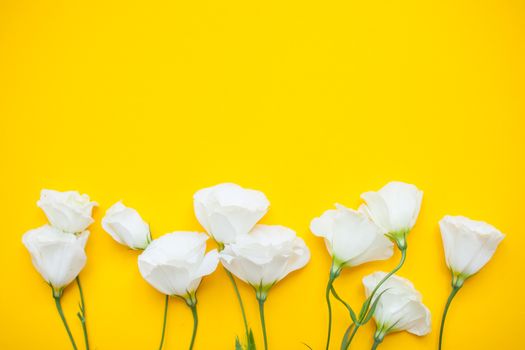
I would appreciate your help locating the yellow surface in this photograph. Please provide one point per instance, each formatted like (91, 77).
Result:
(311, 102)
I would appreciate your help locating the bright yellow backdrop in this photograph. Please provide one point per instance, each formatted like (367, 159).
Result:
(311, 102)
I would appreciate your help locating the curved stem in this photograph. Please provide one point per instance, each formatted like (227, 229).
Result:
(387, 276)
(82, 314)
(238, 294)
(61, 313)
(447, 305)
(328, 289)
(365, 308)
(195, 324)
(164, 323)
(346, 336)
(263, 323)
(354, 331)
(348, 307)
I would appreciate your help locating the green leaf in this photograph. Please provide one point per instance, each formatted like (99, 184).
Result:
(373, 308)
(344, 343)
(352, 315)
(251, 341)
(238, 345)
(364, 309)
(348, 307)
(308, 346)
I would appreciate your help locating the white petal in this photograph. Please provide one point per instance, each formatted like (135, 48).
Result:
(228, 210)
(400, 306)
(468, 244)
(351, 236)
(395, 207)
(377, 209)
(323, 226)
(68, 211)
(175, 263)
(58, 257)
(266, 255)
(126, 226)
(208, 264)
(167, 279)
(380, 249)
(404, 202)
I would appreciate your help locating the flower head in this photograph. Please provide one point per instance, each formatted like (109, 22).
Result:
(57, 256)
(68, 211)
(175, 263)
(228, 210)
(126, 226)
(400, 306)
(395, 207)
(265, 256)
(469, 245)
(351, 237)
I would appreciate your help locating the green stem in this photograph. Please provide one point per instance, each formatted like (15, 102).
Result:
(195, 324)
(346, 336)
(354, 331)
(82, 314)
(238, 294)
(365, 308)
(164, 323)
(453, 293)
(61, 313)
(328, 303)
(348, 307)
(263, 323)
(376, 344)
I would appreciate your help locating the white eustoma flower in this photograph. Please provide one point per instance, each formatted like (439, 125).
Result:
(395, 207)
(351, 237)
(228, 210)
(265, 256)
(58, 257)
(68, 211)
(175, 263)
(400, 307)
(468, 244)
(126, 226)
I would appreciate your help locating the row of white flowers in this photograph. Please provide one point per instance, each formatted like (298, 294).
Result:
(262, 255)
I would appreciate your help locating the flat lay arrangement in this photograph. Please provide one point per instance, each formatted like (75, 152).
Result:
(281, 175)
(261, 255)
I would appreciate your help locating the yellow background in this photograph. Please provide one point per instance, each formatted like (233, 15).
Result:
(312, 102)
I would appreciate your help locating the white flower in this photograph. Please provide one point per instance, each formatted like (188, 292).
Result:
(175, 263)
(126, 226)
(68, 211)
(395, 207)
(58, 257)
(351, 237)
(400, 307)
(469, 244)
(228, 210)
(265, 256)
